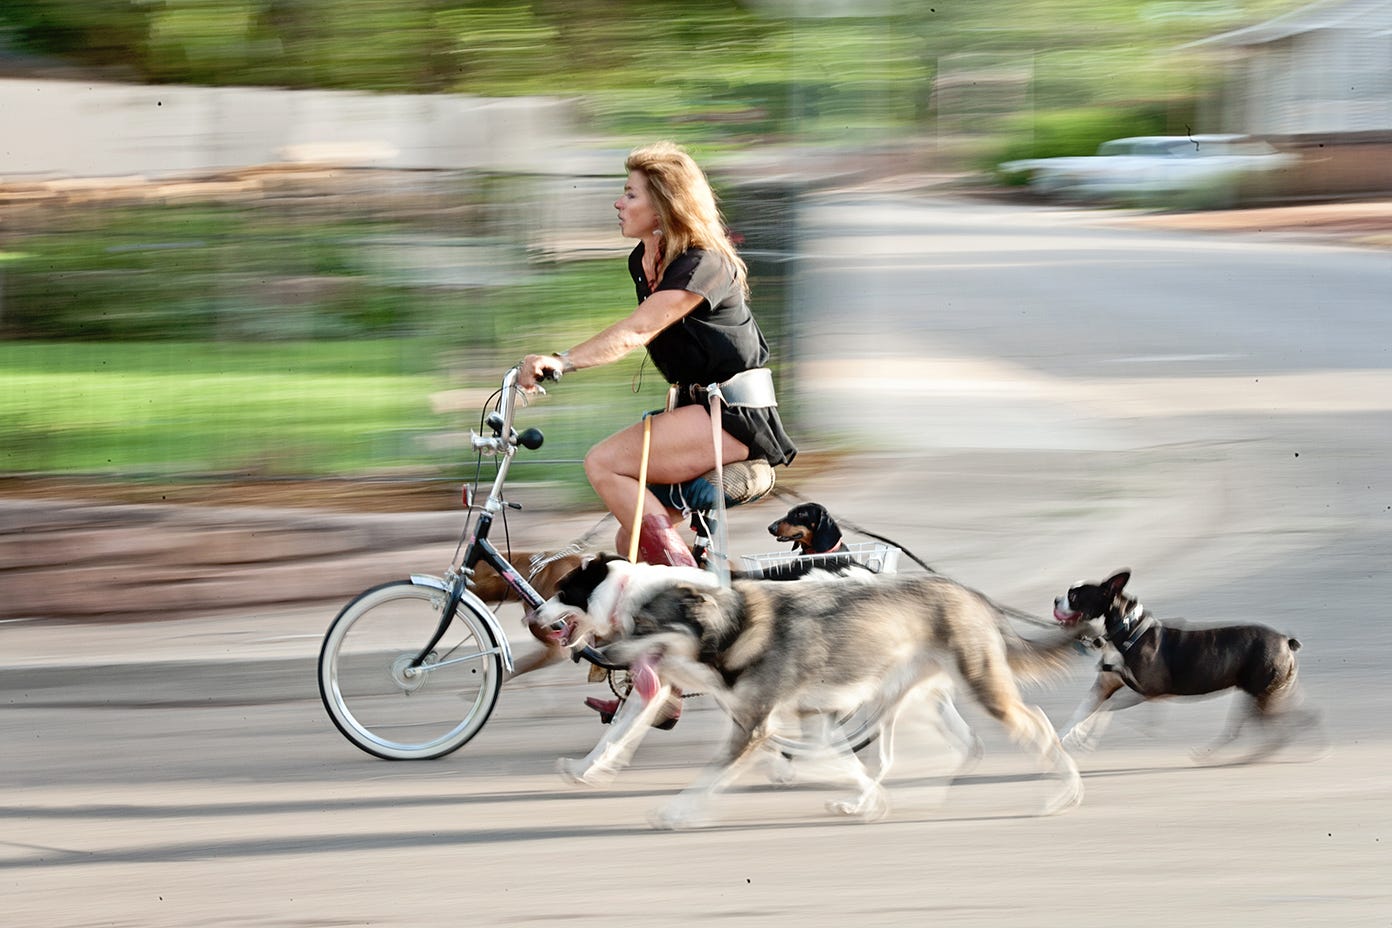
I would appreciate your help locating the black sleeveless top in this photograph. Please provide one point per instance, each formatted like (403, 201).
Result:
(713, 342)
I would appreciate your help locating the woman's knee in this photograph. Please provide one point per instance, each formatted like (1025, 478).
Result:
(596, 465)
(603, 460)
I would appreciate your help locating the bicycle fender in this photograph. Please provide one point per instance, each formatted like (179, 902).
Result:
(475, 605)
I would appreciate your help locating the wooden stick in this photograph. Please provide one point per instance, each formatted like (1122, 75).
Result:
(642, 491)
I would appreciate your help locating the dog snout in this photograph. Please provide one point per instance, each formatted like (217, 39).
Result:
(551, 616)
(1064, 613)
(560, 630)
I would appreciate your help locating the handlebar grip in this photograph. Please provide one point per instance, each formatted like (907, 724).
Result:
(592, 654)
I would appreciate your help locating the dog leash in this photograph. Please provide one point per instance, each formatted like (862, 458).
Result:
(785, 495)
(584, 543)
(1007, 611)
(721, 544)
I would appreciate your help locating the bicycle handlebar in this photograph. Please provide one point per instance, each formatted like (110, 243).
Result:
(504, 441)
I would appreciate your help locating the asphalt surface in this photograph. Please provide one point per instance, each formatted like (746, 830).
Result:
(1033, 405)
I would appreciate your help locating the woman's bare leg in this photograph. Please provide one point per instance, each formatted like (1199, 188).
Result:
(680, 450)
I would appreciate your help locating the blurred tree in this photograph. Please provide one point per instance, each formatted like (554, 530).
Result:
(107, 33)
(712, 72)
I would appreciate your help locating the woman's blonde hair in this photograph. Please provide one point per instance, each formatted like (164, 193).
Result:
(685, 205)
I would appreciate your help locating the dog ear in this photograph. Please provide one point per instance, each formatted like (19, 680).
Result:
(695, 599)
(690, 593)
(1117, 581)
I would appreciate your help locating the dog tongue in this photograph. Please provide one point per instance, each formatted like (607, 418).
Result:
(644, 678)
(1067, 618)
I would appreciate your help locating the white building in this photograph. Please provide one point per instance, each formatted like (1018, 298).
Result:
(1318, 82)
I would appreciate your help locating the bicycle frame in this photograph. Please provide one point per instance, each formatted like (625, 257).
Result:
(406, 669)
(477, 548)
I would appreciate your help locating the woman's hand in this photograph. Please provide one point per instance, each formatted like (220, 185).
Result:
(538, 367)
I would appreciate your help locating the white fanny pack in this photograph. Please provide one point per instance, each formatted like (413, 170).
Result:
(747, 388)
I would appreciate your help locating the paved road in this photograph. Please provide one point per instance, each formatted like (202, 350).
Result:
(1043, 400)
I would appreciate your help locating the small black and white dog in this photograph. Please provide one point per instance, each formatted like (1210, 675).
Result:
(1149, 660)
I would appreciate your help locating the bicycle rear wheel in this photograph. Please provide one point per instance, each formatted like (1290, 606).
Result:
(859, 728)
(385, 704)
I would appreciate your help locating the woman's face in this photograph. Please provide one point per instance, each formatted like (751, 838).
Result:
(637, 215)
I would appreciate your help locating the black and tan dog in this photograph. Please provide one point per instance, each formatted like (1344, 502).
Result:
(810, 528)
(1144, 660)
(816, 538)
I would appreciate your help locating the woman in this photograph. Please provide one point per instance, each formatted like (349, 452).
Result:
(694, 321)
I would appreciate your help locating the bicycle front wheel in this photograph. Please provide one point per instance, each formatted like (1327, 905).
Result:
(387, 700)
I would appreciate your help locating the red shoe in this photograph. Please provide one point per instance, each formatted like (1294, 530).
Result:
(608, 707)
(605, 707)
(659, 543)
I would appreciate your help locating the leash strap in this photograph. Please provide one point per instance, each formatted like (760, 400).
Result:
(642, 491)
(721, 562)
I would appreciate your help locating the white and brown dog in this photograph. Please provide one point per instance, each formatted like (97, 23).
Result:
(769, 652)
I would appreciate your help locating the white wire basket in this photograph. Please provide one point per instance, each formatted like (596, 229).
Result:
(875, 555)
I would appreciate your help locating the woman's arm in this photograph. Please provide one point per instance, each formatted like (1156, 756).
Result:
(653, 315)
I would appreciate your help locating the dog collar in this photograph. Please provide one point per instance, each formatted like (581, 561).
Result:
(1137, 623)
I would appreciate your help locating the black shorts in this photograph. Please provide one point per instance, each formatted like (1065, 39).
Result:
(758, 427)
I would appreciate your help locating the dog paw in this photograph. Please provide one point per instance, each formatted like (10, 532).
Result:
(781, 771)
(578, 773)
(677, 816)
(1071, 795)
(1076, 743)
(1320, 752)
(572, 771)
(971, 756)
(1207, 756)
(868, 807)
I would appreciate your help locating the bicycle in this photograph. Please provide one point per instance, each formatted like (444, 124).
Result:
(412, 669)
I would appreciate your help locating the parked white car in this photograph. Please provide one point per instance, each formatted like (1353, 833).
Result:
(1153, 167)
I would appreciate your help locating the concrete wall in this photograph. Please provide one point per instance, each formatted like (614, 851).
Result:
(86, 129)
(1347, 164)
(75, 561)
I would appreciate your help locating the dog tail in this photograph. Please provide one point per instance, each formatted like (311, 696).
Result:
(1040, 660)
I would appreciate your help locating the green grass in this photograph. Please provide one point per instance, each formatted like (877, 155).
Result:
(362, 406)
(177, 409)
(171, 407)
